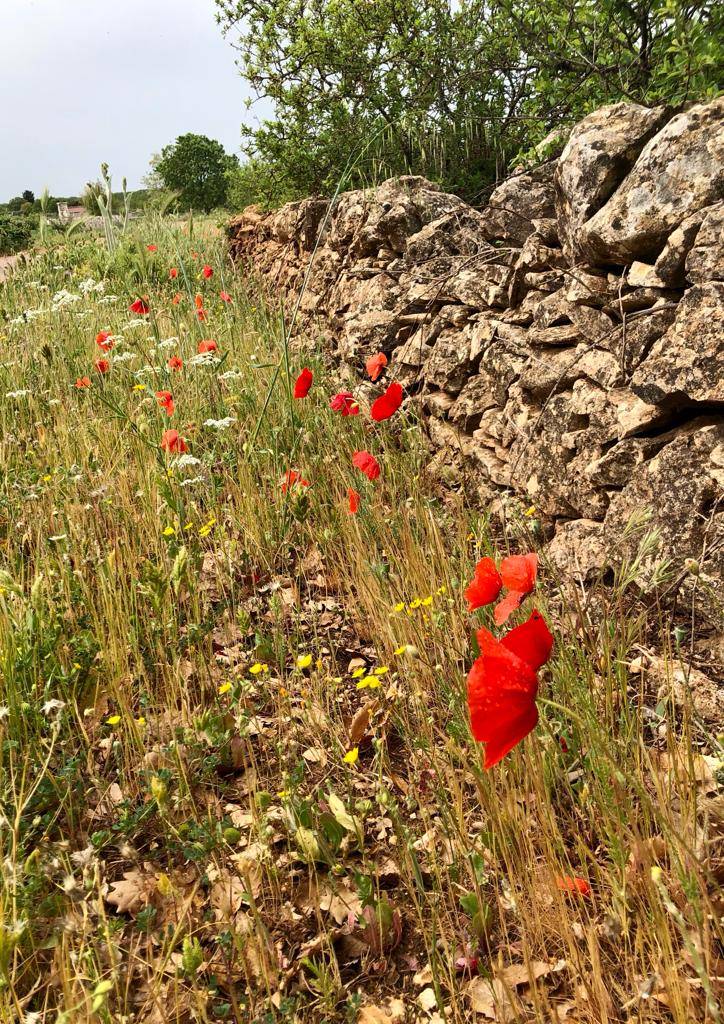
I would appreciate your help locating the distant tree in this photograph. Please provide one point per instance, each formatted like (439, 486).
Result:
(28, 196)
(196, 167)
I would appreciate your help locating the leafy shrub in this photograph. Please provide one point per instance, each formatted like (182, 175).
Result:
(16, 232)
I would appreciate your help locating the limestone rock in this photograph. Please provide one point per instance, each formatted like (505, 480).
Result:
(705, 261)
(680, 170)
(687, 363)
(600, 151)
(517, 202)
(579, 548)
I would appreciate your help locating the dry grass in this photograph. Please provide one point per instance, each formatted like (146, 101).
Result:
(183, 838)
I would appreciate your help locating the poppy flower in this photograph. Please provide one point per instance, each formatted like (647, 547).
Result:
(171, 441)
(102, 365)
(292, 478)
(165, 401)
(208, 345)
(354, 499)
(177, 298)
(175, 363)
(303, 383)
(224, 296)
(344, 402)
(375, 364)
(573, 884)
(518, 573)
(83, 382)
(152, 248)
(140, 307)
(388, 404)
(201, 314)
(503, 686)
(207, 271)
(173, 273)
(367, 464)
(485, 586)
(104, 341)
(198, 301)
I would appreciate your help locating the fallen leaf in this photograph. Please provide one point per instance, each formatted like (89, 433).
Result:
(132, 892)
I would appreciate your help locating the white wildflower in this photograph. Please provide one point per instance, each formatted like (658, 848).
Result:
(204, 359)
(220, 424)
(4, 711)
(186, 460)
(52, 706)
(17, 394)
(124, 357)
(189, 481)
(231, 375)
(168, 342)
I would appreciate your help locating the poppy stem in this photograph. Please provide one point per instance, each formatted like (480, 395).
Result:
(563, 710)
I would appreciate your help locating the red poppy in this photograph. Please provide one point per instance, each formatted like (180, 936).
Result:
(207, 271)
(344, 402)
(208, 345)
(177, 298)
(367, 464)
(171, 441)
(503, 686)
(388, 404)
(200, 314)
(173, 273)
(83, 382)
(485, 586)
(165, 401)
(224, 296)
(292, 478)
(152, 248)
(518, 573)
(140, 307)
(102, 365)
(303, 383)
(198, 301)
(573, 884)
(104, 341)
(375, 364)
(175, 363)
(354, 499)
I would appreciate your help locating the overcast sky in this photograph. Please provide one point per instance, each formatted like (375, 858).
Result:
(82, 81)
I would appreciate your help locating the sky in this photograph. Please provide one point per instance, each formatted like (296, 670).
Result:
(87, 81)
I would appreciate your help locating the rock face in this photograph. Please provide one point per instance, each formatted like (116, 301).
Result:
(566, 342)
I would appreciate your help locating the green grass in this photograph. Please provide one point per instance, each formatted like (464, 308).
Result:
(185, 838)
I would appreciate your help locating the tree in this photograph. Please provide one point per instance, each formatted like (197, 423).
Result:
(452, 88)
(28, 196)
(196, 167)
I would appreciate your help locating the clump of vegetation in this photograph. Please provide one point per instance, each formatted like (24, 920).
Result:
(451, 90)
(237, 773)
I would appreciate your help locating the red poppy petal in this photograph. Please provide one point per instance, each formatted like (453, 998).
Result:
(388, 404)
(303, 383)
(509, 737)
(512, 600)
(531, 641)
(485, 586)
(519, 572)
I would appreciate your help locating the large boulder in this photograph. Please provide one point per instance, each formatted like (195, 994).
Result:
(680, 170)
(600, 152)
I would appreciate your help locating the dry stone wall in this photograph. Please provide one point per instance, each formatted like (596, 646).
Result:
(568, 339)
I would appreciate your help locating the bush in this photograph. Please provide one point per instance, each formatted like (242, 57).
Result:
(16, 232)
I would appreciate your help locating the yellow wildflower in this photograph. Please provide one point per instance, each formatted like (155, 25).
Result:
(258, 667)
(169, 531)
(399, 607)
(351, 756)
(426, 601)
(415, 603)
(359, 672)
(381, 670)
(139, 387)
(400, 650)
(304, 660)
(113, 720)
(140, 720)
(225, 687)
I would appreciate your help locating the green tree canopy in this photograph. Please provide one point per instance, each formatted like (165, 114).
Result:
(451, 89)
(196, 167)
